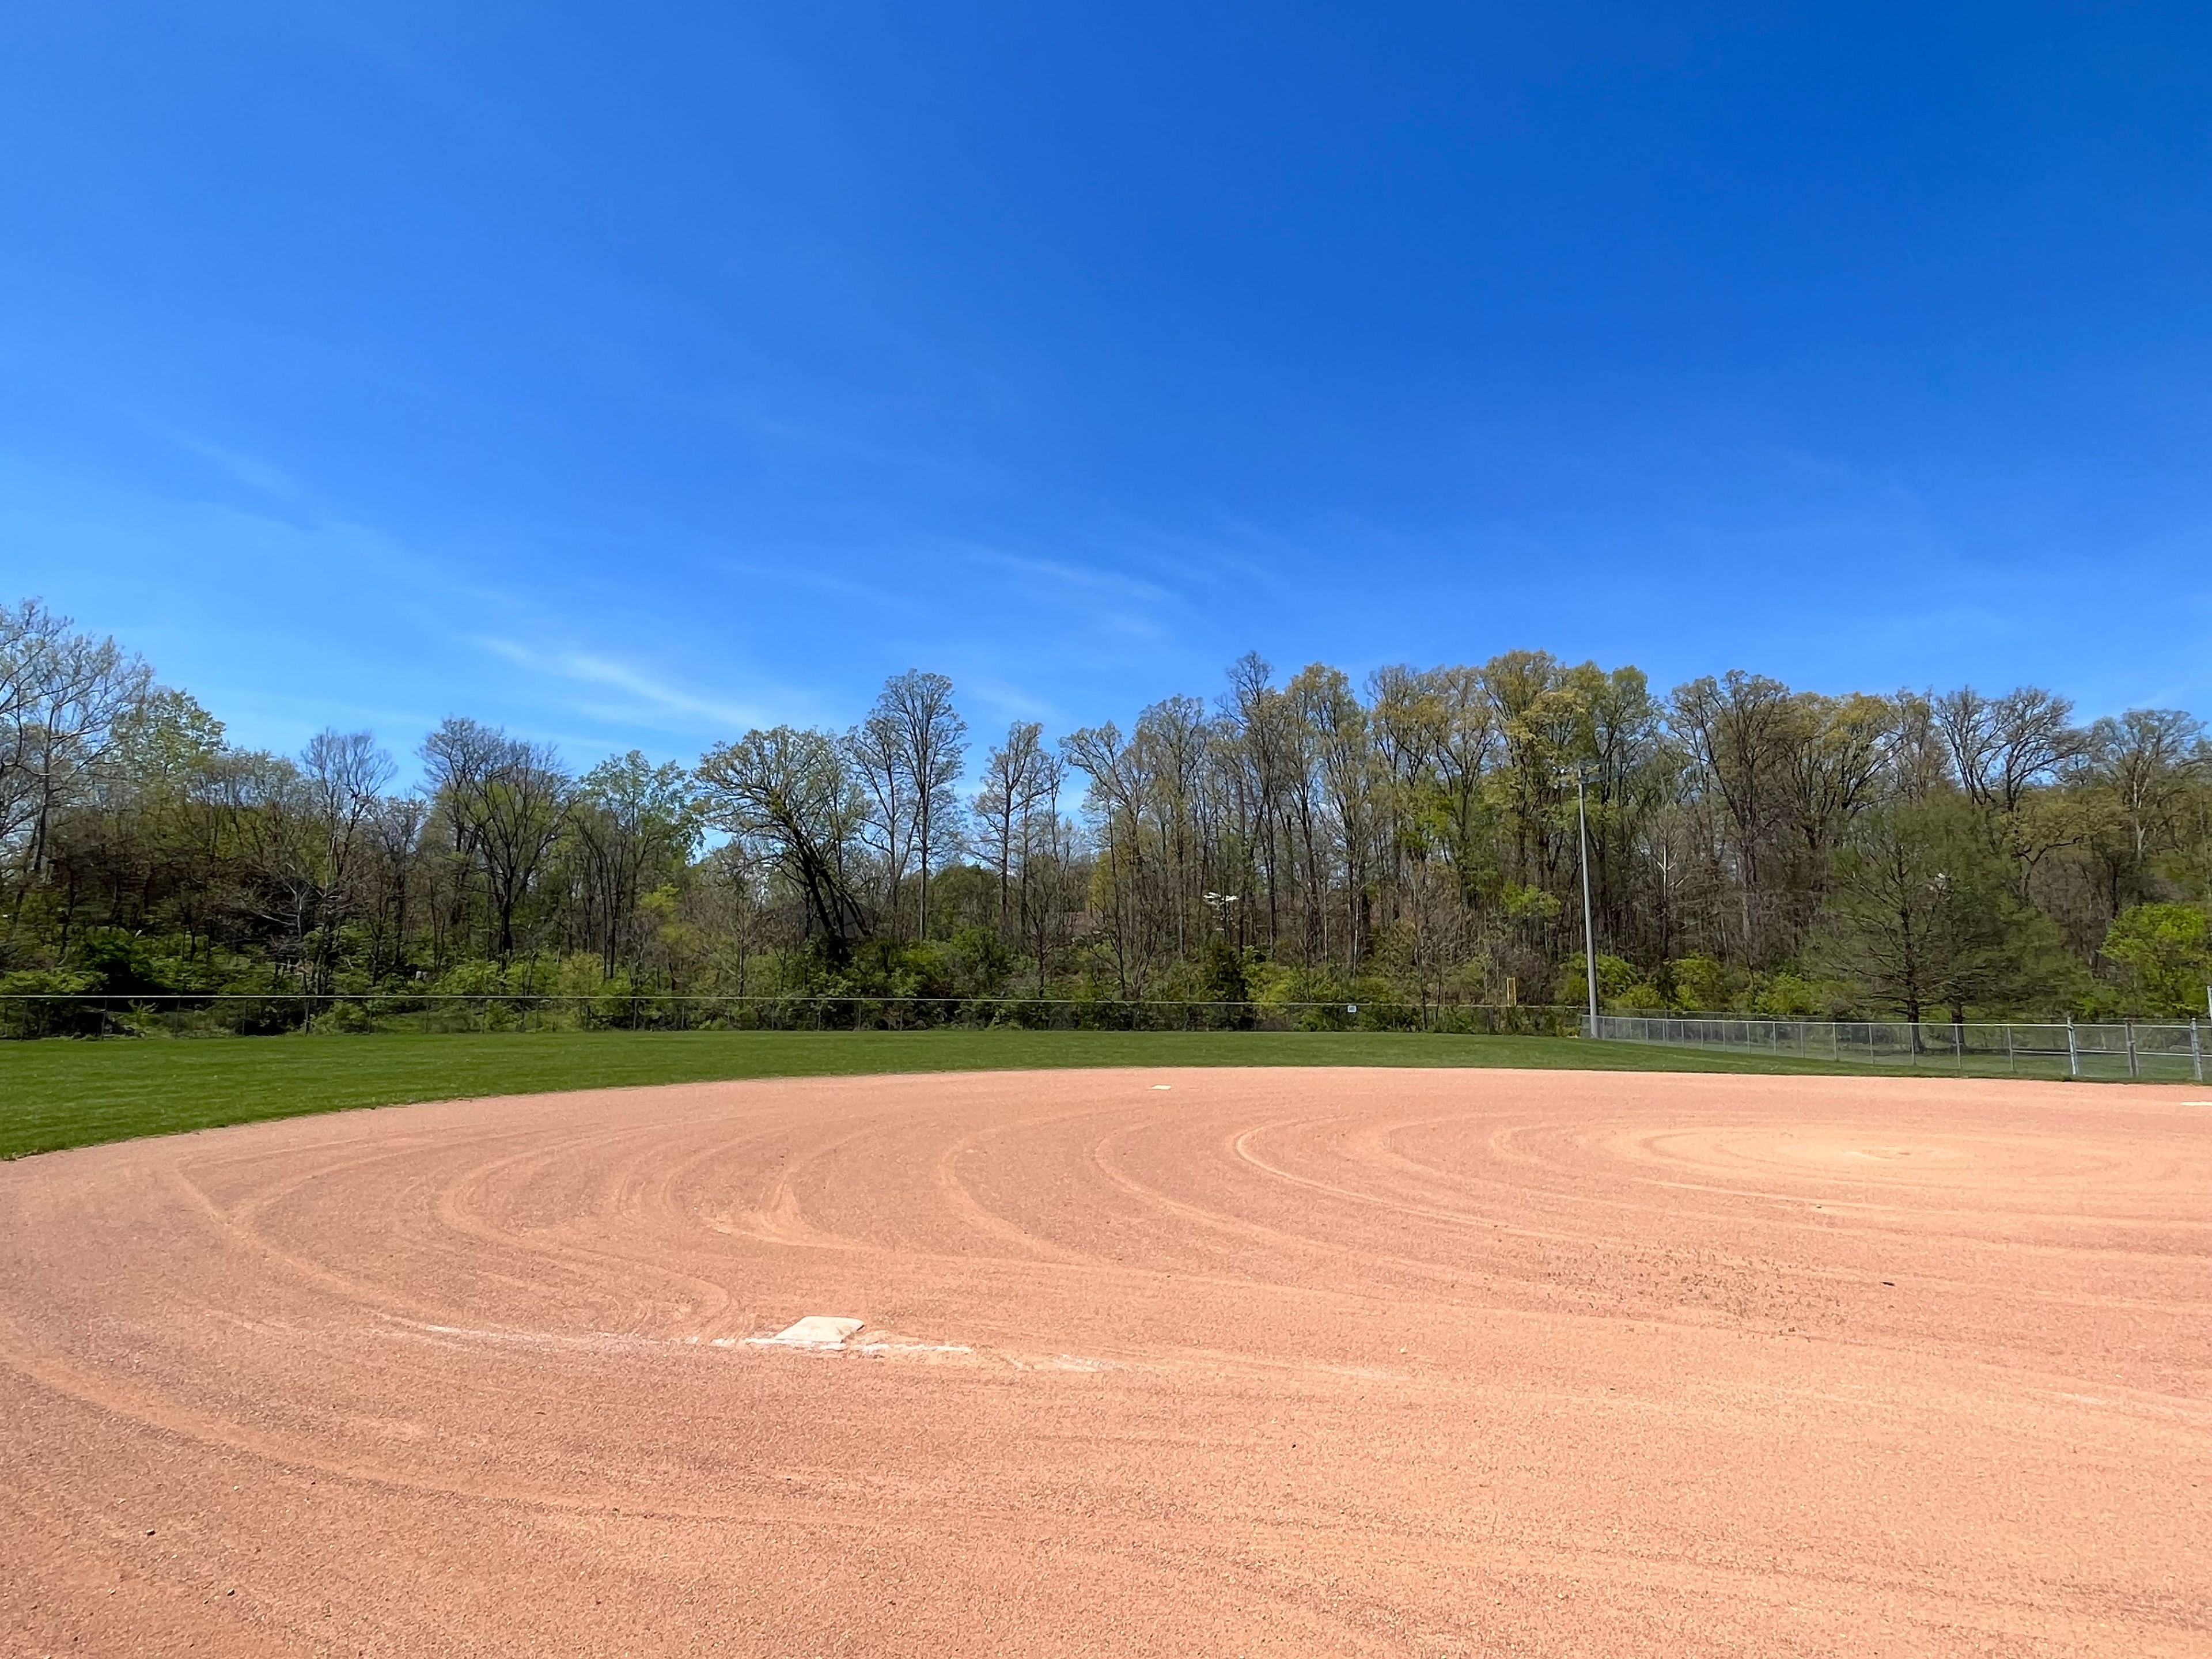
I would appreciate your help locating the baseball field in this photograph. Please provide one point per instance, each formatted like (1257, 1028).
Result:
(1145, 1359)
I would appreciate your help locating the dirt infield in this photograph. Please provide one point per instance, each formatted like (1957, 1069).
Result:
(1256, 1362)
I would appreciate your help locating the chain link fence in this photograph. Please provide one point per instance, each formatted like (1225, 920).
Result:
(2127, 1049)
(272, 1013)
(2172, 1053)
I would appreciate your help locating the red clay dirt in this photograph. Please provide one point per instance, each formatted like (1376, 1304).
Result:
(1294, 1362)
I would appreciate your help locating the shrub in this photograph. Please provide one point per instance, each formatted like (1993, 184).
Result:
(23, 1015)
(1787, 996)
(343, 1018)
(1616, 978)
(119, 963)
(1700, 984)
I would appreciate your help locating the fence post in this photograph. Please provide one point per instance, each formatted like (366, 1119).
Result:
(2011, 1064)
(2073, 1050)
(2195, 1050)
(2134, 1070)
(1958, 1045)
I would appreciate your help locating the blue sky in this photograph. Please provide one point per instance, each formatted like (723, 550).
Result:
(629, 375)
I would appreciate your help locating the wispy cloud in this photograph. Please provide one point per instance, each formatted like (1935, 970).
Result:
(834, 442)
(243, 467)
(1080, 579)
(816, 581)
(1103, 601)
(587, 668)
(1007, 698)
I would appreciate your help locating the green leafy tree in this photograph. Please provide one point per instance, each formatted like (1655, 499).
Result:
(2166, 949)
(635, 827)
(1411, 838)
(1920, 913)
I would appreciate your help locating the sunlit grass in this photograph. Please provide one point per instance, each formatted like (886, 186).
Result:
(58, 1094)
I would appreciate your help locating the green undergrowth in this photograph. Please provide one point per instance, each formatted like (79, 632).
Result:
(58, 1094)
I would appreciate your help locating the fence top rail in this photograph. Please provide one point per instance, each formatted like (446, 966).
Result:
(2056, 1023)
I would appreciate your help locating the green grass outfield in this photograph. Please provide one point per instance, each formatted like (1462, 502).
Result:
(60, 1093)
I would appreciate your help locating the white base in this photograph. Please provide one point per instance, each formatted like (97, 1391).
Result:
(815, 1331)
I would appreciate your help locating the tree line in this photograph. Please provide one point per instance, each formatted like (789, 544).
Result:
(1412, 837)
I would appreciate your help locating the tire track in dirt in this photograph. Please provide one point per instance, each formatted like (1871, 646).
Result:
(1329, 1362)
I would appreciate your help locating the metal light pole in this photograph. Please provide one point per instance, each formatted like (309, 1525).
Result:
(1220, 903)
(1589, 931)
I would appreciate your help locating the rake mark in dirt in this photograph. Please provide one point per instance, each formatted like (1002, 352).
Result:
(1361, 1362)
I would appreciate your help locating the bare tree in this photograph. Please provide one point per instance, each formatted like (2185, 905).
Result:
(62, 694)
(1117, 793)
(342, 776)
(923, 741)
(878, 751)
(790, 793)
(1003, 805)
(395, 841)
(2147, 758)
(1917, 760)
(508, 799)
(2003, 747)
(1046, 844)
(1168, 747)
(1740, 730)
